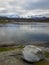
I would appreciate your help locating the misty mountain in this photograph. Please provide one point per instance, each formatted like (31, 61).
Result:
(17, 18)
(13, 16)
(38, 17)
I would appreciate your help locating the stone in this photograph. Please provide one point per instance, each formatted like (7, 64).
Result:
(32, 53)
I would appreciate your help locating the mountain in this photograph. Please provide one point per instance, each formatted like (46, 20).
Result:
(36, 18)
(30, 16)
(10, 16)
(13, 16)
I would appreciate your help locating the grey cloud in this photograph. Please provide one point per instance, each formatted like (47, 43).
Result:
(43, 4)
(3, 12)
(18, 7)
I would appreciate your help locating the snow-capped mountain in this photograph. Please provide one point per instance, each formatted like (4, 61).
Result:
(13, 16)
(30, 16)
(36, 17)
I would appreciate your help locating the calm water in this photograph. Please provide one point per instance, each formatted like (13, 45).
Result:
(32, 32)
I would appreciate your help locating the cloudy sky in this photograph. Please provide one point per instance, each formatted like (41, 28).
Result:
(24, 7)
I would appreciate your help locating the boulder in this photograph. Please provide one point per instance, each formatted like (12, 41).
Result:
(32, 53)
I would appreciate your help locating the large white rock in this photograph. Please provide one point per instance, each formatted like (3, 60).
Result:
(32, 53)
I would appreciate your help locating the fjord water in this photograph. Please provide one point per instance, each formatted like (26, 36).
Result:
(12, 33)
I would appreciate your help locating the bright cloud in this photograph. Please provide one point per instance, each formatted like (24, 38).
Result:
(24, 7)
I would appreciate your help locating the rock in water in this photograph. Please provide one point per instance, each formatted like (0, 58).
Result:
(32, 53)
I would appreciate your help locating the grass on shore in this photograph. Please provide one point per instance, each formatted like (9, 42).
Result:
(2, 49)
(43, 62)
(46, 54)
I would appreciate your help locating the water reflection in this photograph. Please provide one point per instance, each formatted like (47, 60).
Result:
(14, 32)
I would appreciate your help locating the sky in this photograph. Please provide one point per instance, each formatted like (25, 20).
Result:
(24, 7)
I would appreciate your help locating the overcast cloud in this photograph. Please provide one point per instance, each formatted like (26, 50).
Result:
(24, 7)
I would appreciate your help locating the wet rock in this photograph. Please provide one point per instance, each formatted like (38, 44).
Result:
(32, 53)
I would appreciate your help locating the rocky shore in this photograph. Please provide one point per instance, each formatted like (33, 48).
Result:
(14, 57)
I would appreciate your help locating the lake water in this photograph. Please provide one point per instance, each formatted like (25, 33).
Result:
(10, 33)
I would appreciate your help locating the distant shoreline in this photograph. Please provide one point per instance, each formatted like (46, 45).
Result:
(15, 20)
